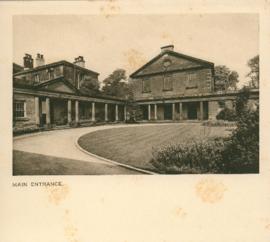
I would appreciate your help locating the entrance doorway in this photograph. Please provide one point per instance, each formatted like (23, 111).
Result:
(167, 111)
(192, 112)
(58, 112)
(144, 112)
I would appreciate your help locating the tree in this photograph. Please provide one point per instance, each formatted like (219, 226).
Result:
(225, 79)
(90, 86)
(254, 74)
(116, 84)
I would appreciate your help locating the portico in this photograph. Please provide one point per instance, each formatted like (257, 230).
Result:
(56, 109)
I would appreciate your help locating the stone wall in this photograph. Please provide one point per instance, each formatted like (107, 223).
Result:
(213, 109)
(30, 119)
(43, 75)
(181, 86)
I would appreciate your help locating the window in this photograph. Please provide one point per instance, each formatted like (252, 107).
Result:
(146, 87)
(51, 73)
(192, 80)
(36, 78)
(80, 79)
(19, 109)
(167, 83)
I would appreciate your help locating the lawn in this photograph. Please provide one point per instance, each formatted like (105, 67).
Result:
(26, 163)
(134, 145)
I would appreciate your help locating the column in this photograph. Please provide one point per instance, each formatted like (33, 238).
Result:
(125, 112)
(37, 111)
(173, 111)
(106, 112)
(76, 111)
(155, 111)
(201, 110)
(48, 114)
(116, 112)
(180, 111)
(149, 111)
(93, 112)
(69, 111)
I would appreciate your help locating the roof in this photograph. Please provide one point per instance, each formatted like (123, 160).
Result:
(39, 86)
(58, 79)
(176, 54)
(17, 68)
(62, 62)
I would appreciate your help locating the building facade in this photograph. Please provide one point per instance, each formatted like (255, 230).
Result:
(170, 87)
(50, 95)
(173, 86)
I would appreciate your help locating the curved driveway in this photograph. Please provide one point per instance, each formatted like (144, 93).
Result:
(62, 144)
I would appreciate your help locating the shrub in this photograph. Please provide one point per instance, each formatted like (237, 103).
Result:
(226, 114)
(219, 123)
(238, 153)
(25, 130)
(241, 154)
(196, 157)
(134, 113)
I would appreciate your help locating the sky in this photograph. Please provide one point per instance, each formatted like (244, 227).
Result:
(129, 41)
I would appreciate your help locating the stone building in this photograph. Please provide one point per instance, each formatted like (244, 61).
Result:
(170, 87)
(49, 95)
(174, 86)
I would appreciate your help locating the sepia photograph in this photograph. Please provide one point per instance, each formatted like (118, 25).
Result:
(135, 94)
(135, 121)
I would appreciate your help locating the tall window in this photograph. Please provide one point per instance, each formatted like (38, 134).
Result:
(167, 83)
(80, 79)
(192, 80)
(19, 109)
(51, 73)
(146, 85)
(36, 78)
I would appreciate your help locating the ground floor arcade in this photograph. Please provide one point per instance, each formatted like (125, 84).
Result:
(55, 111)
(44, 109)
(176, 111)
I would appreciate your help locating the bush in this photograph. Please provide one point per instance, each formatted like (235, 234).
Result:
(134, 113)
(226, 114)
(25, 130)
(237, 154)
(196, 157)
(241, 154)
(219, 123)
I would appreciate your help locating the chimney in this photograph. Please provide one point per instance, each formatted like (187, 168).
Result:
(40, 61)
(79, 61)
(167, 48)
(27, 62)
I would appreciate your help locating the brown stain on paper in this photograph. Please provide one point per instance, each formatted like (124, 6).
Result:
(180, 212)
(70, 230)
(110, 9)
(57, 194)
(265, 223)
(267, 226)
(210, 191)
(134, 59)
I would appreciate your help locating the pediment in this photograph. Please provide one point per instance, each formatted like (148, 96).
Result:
(58, 86)
(170, 61)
